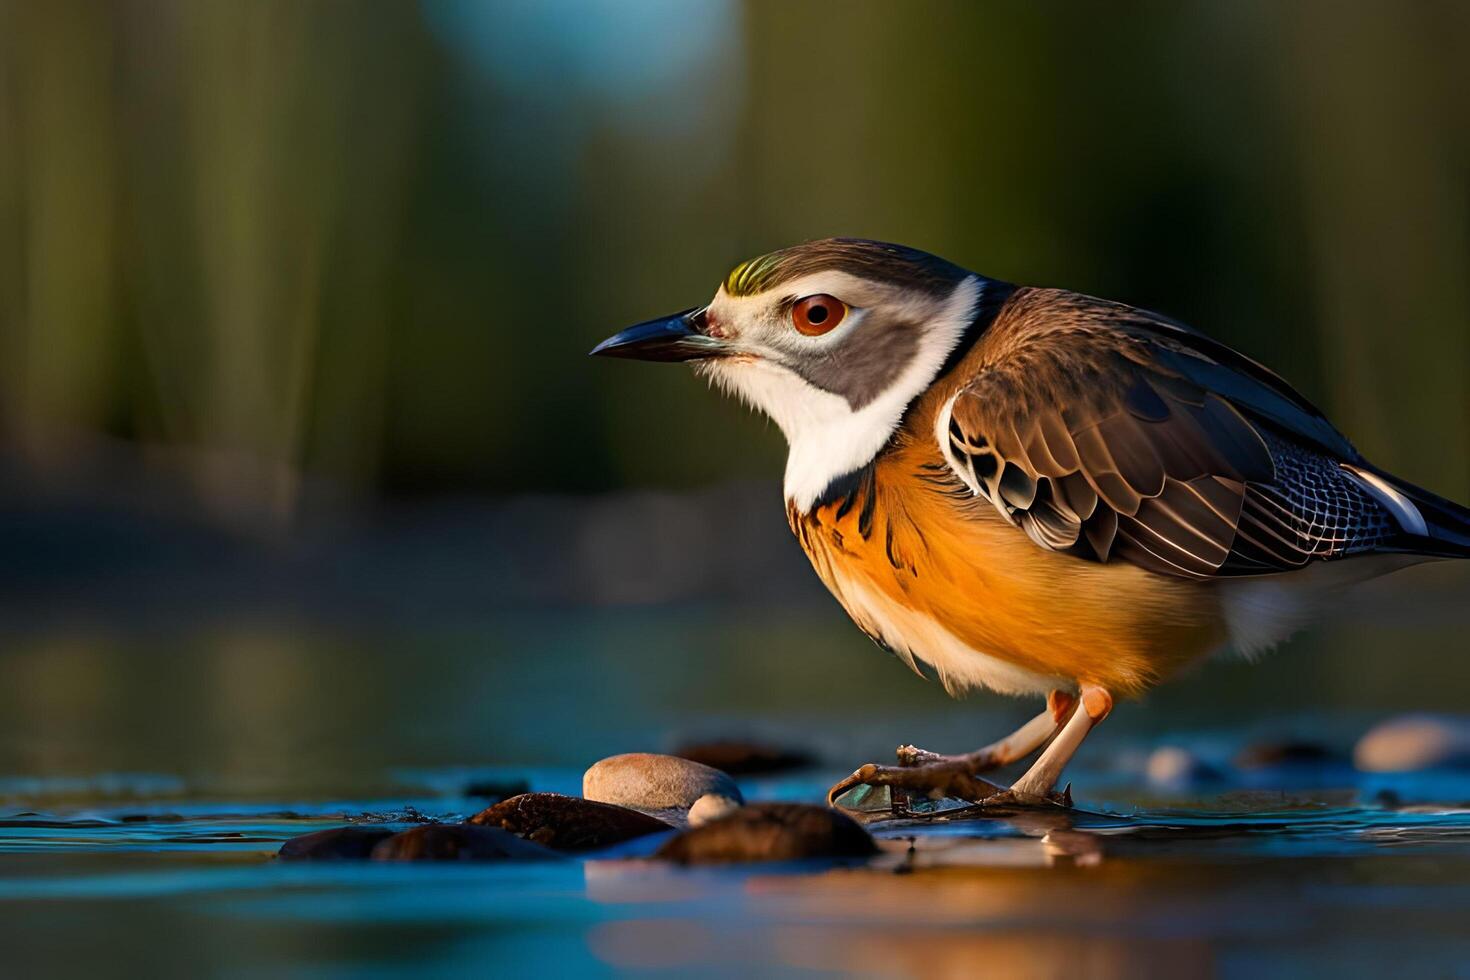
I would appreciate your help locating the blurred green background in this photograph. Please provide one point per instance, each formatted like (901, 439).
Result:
(298, 437)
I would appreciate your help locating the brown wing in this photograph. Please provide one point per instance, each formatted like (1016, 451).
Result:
(1082, 430)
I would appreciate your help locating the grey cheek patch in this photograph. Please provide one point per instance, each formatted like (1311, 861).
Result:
(866, 364)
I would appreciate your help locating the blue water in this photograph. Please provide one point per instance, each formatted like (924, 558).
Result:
(147, 780)
(1246, 882)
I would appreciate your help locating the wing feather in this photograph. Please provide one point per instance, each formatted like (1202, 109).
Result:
(1099, 433)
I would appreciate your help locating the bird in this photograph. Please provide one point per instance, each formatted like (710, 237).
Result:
(1038, 492)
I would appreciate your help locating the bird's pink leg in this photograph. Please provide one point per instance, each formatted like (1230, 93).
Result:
(1042, 777)
(957, 775)
(1014, 747)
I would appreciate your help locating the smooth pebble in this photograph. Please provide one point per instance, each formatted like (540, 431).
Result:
(1170, 765)
(647, 781)
(1410, 743)
(711, 806)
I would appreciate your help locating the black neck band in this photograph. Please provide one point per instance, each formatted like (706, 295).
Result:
(993, 295)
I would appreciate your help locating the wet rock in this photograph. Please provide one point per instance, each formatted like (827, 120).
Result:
(1410, 743)
(1289, 752)
(458, 842)
(711, 806)
(645, 781)
(496, 790)
(566, 822)
(1170, 765)
(771, 832)
(740, 757)
(337, 843)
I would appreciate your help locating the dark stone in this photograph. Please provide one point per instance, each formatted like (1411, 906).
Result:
(458, 842)
(1264, 755)
(333, 844)
(489, 789)
(771, 832)
(568, 823)
(1388, 799)
(742, 758)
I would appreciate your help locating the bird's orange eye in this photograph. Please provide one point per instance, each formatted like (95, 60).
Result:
(815, 315)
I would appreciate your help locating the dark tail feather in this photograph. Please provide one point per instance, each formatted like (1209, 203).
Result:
(1446, 524)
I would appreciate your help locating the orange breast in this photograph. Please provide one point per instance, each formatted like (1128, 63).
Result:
(928, 569)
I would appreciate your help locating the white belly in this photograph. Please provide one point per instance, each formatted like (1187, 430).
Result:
(914, 636)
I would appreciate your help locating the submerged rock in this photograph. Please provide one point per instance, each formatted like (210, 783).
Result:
(566, 822)
(336, 843)
(646, 781)
(459, 842)
(771, 832)
(1409, 743)
(740, 757)
(1288, 752)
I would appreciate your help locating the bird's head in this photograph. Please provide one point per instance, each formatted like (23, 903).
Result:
(832, 339)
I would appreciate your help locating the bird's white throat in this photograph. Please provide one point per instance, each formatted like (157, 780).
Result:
(826, 436)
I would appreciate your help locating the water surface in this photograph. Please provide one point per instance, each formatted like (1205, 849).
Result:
(147, 780)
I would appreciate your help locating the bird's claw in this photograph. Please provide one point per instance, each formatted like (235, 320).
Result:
(934, 779)
(859, 777)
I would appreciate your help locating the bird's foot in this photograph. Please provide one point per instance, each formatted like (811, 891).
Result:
(912, 755)
(950, 776)
(923, 773)
(1022, 800)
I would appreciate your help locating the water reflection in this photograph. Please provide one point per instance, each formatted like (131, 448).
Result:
(1110, 892)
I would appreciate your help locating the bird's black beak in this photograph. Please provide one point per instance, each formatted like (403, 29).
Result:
(679, 337)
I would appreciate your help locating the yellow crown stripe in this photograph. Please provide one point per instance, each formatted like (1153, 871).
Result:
(749, 276)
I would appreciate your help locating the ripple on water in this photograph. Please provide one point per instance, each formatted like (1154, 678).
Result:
(1239, 875)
